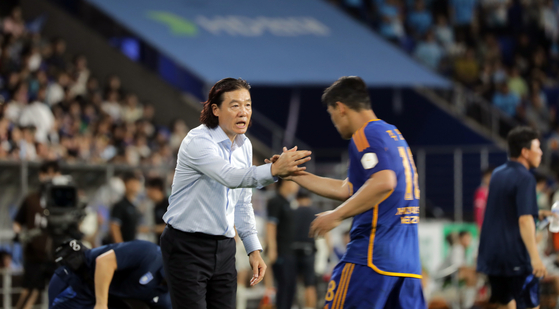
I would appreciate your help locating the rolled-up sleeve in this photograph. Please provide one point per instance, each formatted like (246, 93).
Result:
(245, 222)
(202, 155)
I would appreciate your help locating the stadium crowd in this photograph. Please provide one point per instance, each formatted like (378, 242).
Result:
(507, 51)
(53, 107)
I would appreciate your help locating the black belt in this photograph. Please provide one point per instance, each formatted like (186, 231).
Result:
(200, 235)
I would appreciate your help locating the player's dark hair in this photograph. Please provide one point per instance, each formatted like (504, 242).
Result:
(127, 176)
(519, 138)
(49, 166)
(463, 233)
(540, 177)
(350, 90)
(156, 183)
(215, 96)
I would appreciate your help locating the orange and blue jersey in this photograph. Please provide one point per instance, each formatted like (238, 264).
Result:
(385, 237)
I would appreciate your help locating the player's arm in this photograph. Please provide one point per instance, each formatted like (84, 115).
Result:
(375, 190)
(528, 233)
(105, 267)
(328, 187)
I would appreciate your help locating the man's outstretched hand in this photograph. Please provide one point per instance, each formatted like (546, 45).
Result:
(288, 162)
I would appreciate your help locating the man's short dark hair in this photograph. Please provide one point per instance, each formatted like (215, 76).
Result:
(519, 138)
(127, 176)
(49, 166)
(156, 183)
(463, 233)
(350, 90)
(215, 96)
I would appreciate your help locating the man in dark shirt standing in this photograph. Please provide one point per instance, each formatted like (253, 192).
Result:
(38, 265)
(124, 215)
(155, 191)
(279, 234)
(304, 246)
(507, 249)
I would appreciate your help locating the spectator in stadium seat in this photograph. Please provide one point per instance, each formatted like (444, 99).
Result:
(466, 68)
(429, 52)
(112, 106)
(443, 33)
(211, 196)
(462, 14)
(480, 196)
(124, 215)
(132, 109)
(537, 114)
(155, 191)
(505, 100)
(391, 25)
(517, 84)
(420, 19)
(179, 132)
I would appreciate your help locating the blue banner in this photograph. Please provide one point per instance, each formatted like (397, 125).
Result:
(288, 42)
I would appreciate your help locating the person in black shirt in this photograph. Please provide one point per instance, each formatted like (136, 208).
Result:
(31, 223)
(279, 234)
(508, 254)
(124, 215)
(304, 246)
(155, 191)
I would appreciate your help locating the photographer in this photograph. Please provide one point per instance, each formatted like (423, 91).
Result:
(30, 219)
(124, 275)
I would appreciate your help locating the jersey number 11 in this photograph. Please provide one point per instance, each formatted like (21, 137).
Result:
(409, 165)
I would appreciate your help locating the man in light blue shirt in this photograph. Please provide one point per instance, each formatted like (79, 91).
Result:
(211, 196)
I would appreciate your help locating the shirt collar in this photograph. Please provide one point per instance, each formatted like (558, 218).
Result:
(219, 136)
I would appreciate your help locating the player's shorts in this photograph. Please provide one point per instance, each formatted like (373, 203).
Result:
(524, 289)
(357, 286)
(36, 274)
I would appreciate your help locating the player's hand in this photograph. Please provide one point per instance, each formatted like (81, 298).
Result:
(538, 268)
(289, 161)
(258, 267)
(323, 223)
(275, 157)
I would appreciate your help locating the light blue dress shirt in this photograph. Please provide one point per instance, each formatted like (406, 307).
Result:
(211, 189)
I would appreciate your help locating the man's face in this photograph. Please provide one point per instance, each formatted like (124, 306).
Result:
(534, 154)
(133, 186)
(339, 121)
(466, 240)
(235, 112)
(152, 193)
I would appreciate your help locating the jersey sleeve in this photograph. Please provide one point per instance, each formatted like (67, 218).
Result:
(526, 202)
(374, 155)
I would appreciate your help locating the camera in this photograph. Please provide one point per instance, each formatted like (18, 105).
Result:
(61, 208)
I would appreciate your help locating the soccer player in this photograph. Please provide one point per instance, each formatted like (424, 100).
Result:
(103, 277)
(381, 268)
(507, 250)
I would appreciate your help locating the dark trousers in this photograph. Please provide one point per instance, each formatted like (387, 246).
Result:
(200, 269)
(285, 273)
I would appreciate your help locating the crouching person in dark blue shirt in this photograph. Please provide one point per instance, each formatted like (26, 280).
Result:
(110, 276)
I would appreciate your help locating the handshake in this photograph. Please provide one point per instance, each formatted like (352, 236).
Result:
(287, 164)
